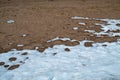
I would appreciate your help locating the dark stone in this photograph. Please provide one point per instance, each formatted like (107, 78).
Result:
(54, 54)
(67, 49)
(104, 45)
(12, 59)
(6, 66)
(22, 62)
(88, 44)
(27, 58)
(13, 67)
(2, 63)
(25, 53)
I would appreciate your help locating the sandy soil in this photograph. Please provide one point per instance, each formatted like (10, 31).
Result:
(43, 20)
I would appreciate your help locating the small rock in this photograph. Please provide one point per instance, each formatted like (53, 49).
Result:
(22, 62)
(42, 49)
(27, 58)
(67, 49)
(12, 59)
(13, 67)
(2, 63)
(83, 64)
(88, 44)
(104, 45)
(6, 66)
(54, 54)
(25, 53)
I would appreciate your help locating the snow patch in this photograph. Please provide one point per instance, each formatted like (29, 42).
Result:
(80, 63)
(20, 45)
(111, 25)
(10, 21)
(75, 28)
(81, 23)
(63, 39)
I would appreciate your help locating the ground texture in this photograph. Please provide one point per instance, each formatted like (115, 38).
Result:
(37, 21)
(59, 39)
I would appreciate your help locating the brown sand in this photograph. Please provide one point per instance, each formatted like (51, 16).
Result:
(43, 20)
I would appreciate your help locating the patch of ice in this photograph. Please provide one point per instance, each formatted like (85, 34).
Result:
(10, 21)
(80, 63)
(75, 28)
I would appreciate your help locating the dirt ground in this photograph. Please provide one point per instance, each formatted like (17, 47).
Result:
(43, 20)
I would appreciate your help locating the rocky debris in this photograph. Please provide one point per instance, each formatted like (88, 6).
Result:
(6, 66)
(104, 45)
(13, 67)
(88, 44)
(67, 49)
(25, 53)
(12, 59)
(2, 63)
(117, 24)
(21, 61)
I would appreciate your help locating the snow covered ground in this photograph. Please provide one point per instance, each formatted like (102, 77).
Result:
(99, 62)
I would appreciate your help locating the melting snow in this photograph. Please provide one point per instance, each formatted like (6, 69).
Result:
(24, 35)
(75, 28)
(80, 63)
(20, 45)
(10, 21)
(91, 31)
(81, 23)
(111, 25)
(63, 39)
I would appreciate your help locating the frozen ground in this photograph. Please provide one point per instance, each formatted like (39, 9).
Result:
(77, 63)
(99, 62)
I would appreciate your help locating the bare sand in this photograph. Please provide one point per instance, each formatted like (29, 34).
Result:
(42, 20)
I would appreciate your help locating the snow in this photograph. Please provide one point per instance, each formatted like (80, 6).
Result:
(90, 31)
(63, 39)
(24, 35)
(80, 63)
(78, 17)
(111, 25)
(20, 45)
(81, 23)
(99, 62)
(36, 47)
(75, 28)
(10, 21)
